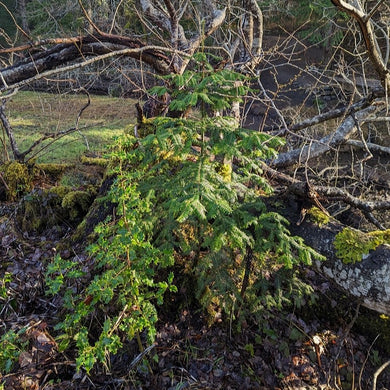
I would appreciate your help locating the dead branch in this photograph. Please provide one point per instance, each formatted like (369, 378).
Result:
(372, 147)
(378, 372)
(54, 137)
(40, 43)
(299, 188)
(357, 12)
(332, 114)
(319, 147)
(9, 131)
(90, 21)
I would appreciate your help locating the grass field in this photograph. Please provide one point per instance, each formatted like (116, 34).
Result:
(34, 114)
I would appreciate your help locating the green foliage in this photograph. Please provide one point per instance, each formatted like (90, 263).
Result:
(124, 289)
(4, 281)
(176, 206)
(11, 345)
(352, 245)
(204, 87)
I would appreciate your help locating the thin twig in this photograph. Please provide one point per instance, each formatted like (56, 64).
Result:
(378, 372)
(365, 361)
(138, 358)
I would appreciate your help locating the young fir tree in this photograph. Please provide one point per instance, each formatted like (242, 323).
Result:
(190, 191)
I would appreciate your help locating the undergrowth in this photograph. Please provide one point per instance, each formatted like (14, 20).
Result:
(190, 194)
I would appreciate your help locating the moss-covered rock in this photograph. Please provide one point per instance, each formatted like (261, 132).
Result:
(59, 206)
(77, 203)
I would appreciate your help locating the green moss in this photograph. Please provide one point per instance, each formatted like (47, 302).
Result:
(100, 161)
(41, 209)
(18, 179)
(351, 244)
(318, 216)
(77, 203)
(59, 191)
(54, 170)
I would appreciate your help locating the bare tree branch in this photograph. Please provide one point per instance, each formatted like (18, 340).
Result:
(317, 148)
(10, 134)
(370, 39)
(332, 114)
(370, 145)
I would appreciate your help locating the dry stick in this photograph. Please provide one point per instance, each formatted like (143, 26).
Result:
(9, 131)
(372, 147)
(378, 372)
(83, 90)
(14, 20)
(298, 187)
(114, 16)
(42, 42)
(372, 12)
(90, 21)
(3, 181)
(365, 361)
(369, 154)
(54, 137)
(332, 114)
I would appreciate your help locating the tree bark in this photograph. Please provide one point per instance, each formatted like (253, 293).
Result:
(368, 281)
(79, 48)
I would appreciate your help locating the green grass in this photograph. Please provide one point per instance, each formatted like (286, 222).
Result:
(34, 114)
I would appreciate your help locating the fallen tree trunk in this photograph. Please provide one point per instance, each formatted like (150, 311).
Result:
(368, 280)
(75, 48)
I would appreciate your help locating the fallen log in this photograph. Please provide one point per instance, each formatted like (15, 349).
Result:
(368, 280)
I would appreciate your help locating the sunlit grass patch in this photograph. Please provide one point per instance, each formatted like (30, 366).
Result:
(33, 115)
